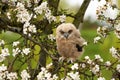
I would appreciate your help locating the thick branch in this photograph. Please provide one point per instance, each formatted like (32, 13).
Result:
(80, 14)
(54, 5)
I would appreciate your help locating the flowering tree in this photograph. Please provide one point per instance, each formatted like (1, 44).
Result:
(33, 56)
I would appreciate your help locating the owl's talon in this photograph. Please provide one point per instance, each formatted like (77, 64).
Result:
(61, 59)
(71, 60)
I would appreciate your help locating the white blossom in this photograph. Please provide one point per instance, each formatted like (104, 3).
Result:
(2, 58)
(85, 43)
(32, 28)
(114, 52)
(5, 52)
(41, 8)
(83, 65)
(75, 66)
(25, 75)
(47, 75)
(3, 68)
(2, 42)
(26, 51)
(3, 72)
(44, 74)
(98, 57)
(8, 15)
(118, 67)
(95, 69)
(55, 77)
(49, 65)
(22, 13)
(117, 31)
(29, 28)
(49, 16)
(16, 43)
(113, 79)
(51, 37)
(101, 78)
(96, 39)
(74, 76)
(16, 51)
(87, 58)
(102, 31)
(12, 76)
(67, 78)
(89, 61)
(62, 18)
(108, 63)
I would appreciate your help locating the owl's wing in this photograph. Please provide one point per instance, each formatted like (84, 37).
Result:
(79, 48)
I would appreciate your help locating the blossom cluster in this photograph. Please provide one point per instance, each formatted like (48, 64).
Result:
(4, 74)
(45, 75)
(24, 16)
(44, 9)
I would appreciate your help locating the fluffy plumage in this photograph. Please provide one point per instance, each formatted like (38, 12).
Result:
(69, 42)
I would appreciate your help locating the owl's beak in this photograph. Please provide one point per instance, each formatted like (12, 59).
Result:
(66, 35)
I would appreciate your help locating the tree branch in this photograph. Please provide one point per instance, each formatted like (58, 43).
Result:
(80, 14)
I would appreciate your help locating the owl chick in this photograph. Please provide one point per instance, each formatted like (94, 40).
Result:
(69, 41)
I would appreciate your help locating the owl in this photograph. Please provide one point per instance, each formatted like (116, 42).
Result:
(69, 42)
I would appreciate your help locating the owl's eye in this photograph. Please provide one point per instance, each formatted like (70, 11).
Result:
(70, 31)
(62, 32)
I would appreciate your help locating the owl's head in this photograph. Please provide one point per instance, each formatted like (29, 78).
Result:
(66, 30)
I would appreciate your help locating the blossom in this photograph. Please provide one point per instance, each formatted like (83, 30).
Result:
(113, 79)
(62, 18)
(74, 67)
(16, 43)
(118, 67)
(3, 68)
(49, 65)
(96, 39)
(83, 65)
(102, 31)
(114, 52)
(107, 63)
(117, 31)
(87, 58)
(51, 37)
(55, 77)
(101, 78)
(32, 29)
(22, 13)
(3, 72)
(41, 8)
(95, 69)
(29, 28)
(85, 43)
(2, 42)
(24, 75)
(98, 58)
(49, 16)
(74, 76)
(5, 52)
(67, 78)
(8, 15)
(12, 76)
(2, 58)
(44, 74)
(26, 51)
(16, 51)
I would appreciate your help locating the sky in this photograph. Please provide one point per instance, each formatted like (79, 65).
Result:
(91, 10)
